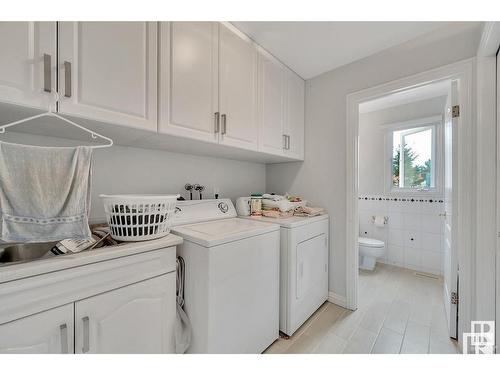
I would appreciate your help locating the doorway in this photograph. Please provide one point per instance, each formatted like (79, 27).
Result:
(442, 176)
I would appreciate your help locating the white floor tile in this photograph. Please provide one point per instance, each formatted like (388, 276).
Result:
(388, 342)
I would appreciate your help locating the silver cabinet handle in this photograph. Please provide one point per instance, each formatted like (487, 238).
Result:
(67, 79)
(86, 335)
(216, 122)
(288, 142)
(284, 141)
(223, 121)
(64, 338)
(47, 72)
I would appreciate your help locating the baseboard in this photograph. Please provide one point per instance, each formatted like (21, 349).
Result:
(337, 299)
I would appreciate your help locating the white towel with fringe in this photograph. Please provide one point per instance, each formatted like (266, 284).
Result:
(44, 192)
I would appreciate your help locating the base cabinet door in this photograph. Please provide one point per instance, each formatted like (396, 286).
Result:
(138, 318)
(107, 72)
(272, 90)
(27, 63)
(48, 332)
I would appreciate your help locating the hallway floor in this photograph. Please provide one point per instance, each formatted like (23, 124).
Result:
(399, 312)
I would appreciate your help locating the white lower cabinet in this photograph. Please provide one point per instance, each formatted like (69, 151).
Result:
(48, 332)
(138, 318)
(98, 304)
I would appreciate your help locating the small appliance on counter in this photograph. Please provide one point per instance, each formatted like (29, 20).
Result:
(243, 206)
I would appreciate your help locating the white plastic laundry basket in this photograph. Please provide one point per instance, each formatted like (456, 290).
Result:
(139, 217)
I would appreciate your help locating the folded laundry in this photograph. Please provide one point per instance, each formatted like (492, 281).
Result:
(309, 211)
(277, 214)
(273, 197)
(283, 205)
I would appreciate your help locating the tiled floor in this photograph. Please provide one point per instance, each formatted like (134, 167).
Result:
(399, 312)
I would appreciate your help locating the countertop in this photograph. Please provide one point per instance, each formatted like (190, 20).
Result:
(14, 271)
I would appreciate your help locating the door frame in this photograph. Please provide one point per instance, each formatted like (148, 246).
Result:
(463, 72)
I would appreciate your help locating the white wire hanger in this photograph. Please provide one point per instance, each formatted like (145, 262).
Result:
(51, 113)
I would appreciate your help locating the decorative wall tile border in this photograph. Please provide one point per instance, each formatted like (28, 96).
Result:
(401, 199)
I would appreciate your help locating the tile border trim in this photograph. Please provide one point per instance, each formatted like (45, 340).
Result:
(400, 199)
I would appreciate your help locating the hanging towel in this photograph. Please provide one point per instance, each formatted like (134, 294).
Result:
(44, 192)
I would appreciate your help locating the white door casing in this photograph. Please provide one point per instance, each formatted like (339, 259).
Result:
(462, 72)
(108, 71)
(188, 81)
(22, 78)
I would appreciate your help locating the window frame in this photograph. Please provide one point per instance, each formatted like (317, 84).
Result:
(434, 122)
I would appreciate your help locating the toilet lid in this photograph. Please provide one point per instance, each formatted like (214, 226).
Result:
(370, 242)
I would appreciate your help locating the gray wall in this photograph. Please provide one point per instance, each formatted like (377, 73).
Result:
(321, 177)
(372, 138)
(134, 170)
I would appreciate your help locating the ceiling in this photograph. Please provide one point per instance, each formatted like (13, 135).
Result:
(312, 48)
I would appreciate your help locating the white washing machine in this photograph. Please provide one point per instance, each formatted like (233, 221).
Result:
(303, 267)
(231, 277)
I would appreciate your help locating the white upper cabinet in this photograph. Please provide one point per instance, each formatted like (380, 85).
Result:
(294, 124)
(107, 72)
(188, 97)
(272, 96)
(237, 89)
(48, 332)
(27, 62)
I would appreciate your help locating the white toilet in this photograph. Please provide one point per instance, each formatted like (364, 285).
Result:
(369, 250)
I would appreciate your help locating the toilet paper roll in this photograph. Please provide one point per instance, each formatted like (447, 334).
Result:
(379, 221)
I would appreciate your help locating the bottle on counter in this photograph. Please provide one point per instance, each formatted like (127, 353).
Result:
(256, 204)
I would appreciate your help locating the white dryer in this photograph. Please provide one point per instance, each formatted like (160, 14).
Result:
(303, 267)
(231, 277)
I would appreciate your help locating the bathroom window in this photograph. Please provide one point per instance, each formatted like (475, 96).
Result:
(414, 160)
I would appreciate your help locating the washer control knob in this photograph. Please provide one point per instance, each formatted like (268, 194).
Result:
(223, 207)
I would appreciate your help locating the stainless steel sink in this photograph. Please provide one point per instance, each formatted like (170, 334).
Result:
(24, 252)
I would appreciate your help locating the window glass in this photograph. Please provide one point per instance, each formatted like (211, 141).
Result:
(413, 158)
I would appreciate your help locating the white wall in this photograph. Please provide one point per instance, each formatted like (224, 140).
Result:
(134, 170)
(372, 149)
(321, 177)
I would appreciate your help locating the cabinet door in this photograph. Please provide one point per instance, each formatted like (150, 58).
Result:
(237, 89)
(294, 125)
(47, 332)
(271, 104)
(138, 318)
(22, 78)
(107, 72)
(188, 79)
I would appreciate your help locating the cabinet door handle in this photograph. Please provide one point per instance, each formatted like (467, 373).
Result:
(223, 121)
(216, 122)
(284, 141)
(63, 328)
(86, 335)
(47, 72)
(67, 79)
(288, 142)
